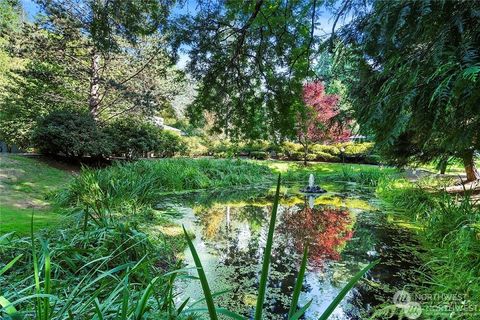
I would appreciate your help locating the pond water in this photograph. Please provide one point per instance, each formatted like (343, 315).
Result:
(346, 229)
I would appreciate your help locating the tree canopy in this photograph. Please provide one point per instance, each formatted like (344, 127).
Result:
(417, 86)
(251, 58)
(110, 58)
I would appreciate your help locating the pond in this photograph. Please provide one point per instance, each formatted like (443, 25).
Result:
(346, 229)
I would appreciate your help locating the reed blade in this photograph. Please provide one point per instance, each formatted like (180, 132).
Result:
(267, 256)
(298, 284)
(345, 290)
(203, 278)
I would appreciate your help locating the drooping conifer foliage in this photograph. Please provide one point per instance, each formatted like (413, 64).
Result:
(418, 84)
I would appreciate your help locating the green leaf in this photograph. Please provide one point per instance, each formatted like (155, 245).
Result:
(301, 311)
(9, 308)
(298, 284)
(38, 306)
(203, 278)
(10, 264)
(98, 309)
(346, 289)
(182, 306)
(142, 303)
(471, 73)
(47, 280)
(267, 256)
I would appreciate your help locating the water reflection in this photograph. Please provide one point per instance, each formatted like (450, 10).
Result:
(326, 231)
(230, 238)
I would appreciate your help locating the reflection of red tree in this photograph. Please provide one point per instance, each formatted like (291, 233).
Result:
(326, 230)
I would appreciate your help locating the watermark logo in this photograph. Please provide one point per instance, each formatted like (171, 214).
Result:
(403, 300)
(413, 310)
(412, 306)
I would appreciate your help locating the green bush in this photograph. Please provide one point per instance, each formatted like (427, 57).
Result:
(195, 147)
(311, 157)
(357, 149)
(134, 138)
(223, 149)
(169, 144)
(260, 155)
(70, 133)
(291, 148)
(322, 149)
(256, 146)
(326, 157)
(296, 156)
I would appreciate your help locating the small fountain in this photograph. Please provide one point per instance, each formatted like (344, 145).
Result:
(312, 188)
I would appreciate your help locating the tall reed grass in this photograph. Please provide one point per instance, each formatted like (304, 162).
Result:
(132, 186)
(102, 273)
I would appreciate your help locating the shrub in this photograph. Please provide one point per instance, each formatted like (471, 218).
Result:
(194, 147)
(223, 149)
(290, 148)
(311, 157)
(326, 157)
(71, 133)
(256, 146)
(322, 148)
(169, 144)
(135, 138)
(357, 149)
(132, 137)
(260, 155)
(296, 155)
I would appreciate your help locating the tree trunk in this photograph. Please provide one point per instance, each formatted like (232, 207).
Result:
(94, 94)
(305, 153)
(470, 168)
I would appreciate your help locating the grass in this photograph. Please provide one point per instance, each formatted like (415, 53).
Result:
(60, 280)
(24, 187)
(138, 184)
(18, 220)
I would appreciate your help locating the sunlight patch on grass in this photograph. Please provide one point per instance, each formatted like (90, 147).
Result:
(24, 187)
(19, 220)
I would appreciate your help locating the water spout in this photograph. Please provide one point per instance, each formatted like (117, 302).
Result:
(311, 202)
(311, 181)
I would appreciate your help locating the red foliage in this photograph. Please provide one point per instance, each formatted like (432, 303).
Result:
(319, 123)
(326, 230)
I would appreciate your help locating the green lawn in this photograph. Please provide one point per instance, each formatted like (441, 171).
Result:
(25, 184)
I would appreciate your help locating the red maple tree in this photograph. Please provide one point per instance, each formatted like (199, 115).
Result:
(318, 122)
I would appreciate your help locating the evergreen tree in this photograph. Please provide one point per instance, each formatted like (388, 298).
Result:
(112, 44)
(417, 84)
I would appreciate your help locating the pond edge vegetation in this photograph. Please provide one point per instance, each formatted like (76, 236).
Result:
(106, 204)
